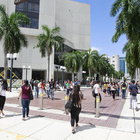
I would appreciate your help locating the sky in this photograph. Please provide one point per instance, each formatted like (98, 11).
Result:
(103, 28)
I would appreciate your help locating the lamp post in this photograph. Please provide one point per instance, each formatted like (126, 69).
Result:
(28, 68)
(11, 57)
(84, 76)
(57, 67)
(62, 68)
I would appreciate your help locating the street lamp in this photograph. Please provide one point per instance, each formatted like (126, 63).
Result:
(11, 57)
(84, 76)
(57, 67)
(28, 68)
(62, 68)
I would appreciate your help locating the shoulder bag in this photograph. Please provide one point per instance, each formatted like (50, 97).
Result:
(68, 105)
(31, 95)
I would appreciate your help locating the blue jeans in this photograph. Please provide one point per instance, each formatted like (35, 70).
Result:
(123, 93)
(52, 94)
(48, 93)
(68, 91)
(25, 107)
(36, 92)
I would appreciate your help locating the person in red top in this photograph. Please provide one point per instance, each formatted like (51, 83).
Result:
(25, 96)
(41, 86)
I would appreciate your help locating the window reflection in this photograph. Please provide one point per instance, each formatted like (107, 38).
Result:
(58, 60)
(31, 10)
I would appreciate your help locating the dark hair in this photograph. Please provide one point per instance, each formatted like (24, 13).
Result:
(75, 97)
(4, 84)
(133, 81)
(98, 81)
(26, 82)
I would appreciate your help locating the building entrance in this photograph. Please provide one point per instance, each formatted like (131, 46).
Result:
(38, 75)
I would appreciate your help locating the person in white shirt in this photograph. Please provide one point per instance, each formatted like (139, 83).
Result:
(3, 89)
(96, 89)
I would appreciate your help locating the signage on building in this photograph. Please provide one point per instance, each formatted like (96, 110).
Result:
(19, 1)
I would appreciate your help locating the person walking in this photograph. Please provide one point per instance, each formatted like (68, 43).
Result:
(113, 89)
(105, 88)
(133, 89)
(36, 89)
(68, 87)
(48, 89)
(52, 89)
(77, 98)
(3, 89)
(25, 98)
(71, 85)
(41, 86)
(123, 88)
(109, 89)
(97, 90)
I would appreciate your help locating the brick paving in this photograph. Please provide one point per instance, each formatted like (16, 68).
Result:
(110, 108)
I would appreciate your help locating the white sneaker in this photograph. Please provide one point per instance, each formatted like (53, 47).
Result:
(3, 116)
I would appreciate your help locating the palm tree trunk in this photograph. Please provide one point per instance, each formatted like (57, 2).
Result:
(89, 75)
(48, 67)
(5, 64)
(73, 76)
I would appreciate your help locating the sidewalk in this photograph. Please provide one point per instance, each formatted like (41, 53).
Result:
(41, 128)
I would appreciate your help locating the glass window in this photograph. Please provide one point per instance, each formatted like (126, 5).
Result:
(58, 60)
(31, 10)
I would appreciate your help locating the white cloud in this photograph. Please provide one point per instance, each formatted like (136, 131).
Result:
(95, 48)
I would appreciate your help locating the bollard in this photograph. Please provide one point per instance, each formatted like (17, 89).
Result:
(41, 101)
(20, 101)
(97, 106)
(66, 100)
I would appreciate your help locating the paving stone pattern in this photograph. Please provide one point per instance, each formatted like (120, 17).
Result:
(108, 107)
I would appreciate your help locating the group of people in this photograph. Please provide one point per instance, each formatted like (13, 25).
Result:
(42, 87)
(115, 88)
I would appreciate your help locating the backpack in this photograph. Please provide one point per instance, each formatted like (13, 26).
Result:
(124, 84)
(68, 105)
(134, 91)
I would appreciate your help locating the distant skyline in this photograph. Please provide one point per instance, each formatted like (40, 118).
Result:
(103, 28)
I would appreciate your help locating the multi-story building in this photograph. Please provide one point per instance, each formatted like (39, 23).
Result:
(114, 60)
(72, 17)
(119, 64)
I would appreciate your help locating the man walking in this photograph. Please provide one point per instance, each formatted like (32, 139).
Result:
(52, 89)
(123, 87)
(97, 90)
(133, 89)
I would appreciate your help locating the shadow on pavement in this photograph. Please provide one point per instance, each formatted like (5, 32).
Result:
(37, 116)
(8, 116)
(84, 127)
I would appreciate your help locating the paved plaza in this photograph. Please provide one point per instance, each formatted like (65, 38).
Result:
(116, 120)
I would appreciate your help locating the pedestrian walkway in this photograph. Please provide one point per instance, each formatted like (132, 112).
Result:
(39, 127)
(109, 110)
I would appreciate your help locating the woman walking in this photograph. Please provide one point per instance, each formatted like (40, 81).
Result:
(25, 94)
(3, 89)
(114, 89)
(77, 97)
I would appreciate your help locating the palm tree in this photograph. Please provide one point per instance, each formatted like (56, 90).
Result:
(72, 61)
(128, 20)
(47, 41)
(132, 62)
(11, 34)
(128, 23)
(90, 59)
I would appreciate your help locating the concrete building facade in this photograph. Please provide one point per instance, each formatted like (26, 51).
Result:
(72, 17)
(114, 60)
